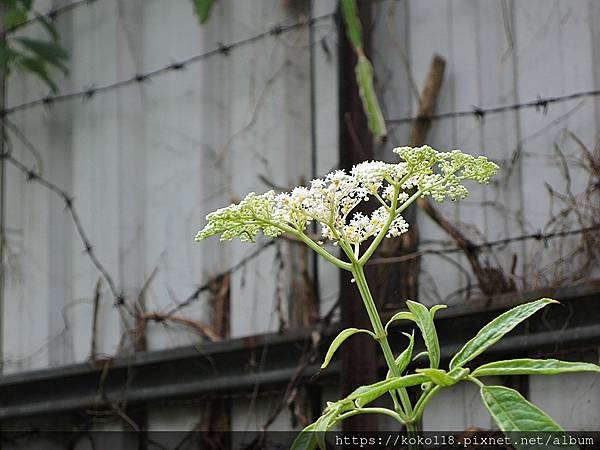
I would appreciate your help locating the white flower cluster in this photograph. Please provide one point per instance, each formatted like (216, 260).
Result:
(243, 220)
(362, 227)
(330, 201)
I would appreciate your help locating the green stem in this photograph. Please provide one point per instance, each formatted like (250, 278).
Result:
(304, 238)
(313, 245)
(385, 411)
(363, 287)
(412, 432)
(476, 381)
(423, 401)
(394, 211)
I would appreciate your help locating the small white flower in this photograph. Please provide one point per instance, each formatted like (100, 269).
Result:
(330, 201)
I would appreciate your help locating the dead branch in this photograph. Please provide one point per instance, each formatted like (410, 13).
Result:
(195, 325)
(221, 306)
(93, 344)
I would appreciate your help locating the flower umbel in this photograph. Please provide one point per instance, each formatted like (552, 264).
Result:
(243, 220)
(331, 201)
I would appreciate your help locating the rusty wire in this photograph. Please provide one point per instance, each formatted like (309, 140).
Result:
(141, 77)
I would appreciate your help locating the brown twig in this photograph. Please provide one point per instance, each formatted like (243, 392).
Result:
(195, 325)
(97, 295)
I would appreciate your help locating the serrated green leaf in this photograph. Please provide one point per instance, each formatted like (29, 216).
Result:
(533, 367)
(512, 412)
(366, 394)
(340, 338)
(306, 439)
(203, 9)
(38, 68)
(51, 52)
(496, 329)
(403, 360)
(14, 17)
(424, 320)
(402, 315)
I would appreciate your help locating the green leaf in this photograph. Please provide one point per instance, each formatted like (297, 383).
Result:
(14, 17)
(425, 323)
(38, 68)
(203, 9)
(438, 376)
(366, 90)
(366, 394)
(352, 22)
(51, 52)
(495, 330)
(403, 360)
(443, 378)
(402, 315)
(533, 367)
(323, 424)
(48, 26)
(420, 355)
(512, 412)
(435, 309)
(340, 338)
(306, 439)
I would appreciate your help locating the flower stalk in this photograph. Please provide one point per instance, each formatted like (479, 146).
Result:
(332, 202)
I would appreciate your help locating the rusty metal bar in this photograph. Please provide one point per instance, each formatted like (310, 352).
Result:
(226, 367)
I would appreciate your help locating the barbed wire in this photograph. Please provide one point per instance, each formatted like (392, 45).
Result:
(479, 113)
(32, 175)
(541, 104)
(224, 49)
(51, 15)
(539, 236)
(119, 298)
(220, 49)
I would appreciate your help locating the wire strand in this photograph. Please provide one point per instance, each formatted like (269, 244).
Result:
(478, 113)
(539, 236)
(220, 49)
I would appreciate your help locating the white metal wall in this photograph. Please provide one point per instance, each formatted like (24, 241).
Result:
(147, 162)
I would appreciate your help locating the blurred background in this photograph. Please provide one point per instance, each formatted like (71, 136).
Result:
(127, 121)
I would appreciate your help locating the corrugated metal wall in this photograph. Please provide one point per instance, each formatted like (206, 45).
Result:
(145, 163)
